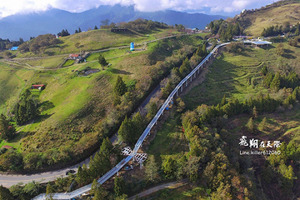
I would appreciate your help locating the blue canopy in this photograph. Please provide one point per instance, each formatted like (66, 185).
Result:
(14, 48)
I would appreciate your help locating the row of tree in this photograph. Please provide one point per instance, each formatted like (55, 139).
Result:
(209, 114)
(277, 81)
(7, 44)
(63, 33)
(186, 67)
(226, 30)
(131, 129)
(143, 25)
(39, 44)
(98, 165)
(278, 30)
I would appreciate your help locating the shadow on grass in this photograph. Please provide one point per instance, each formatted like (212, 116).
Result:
(118, 71)
(49, 53)
(289, 56)
(46, 105)
(42, 118)
(267, 47)
(288, 51)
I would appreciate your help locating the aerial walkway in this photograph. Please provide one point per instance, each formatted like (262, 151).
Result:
(177, 90)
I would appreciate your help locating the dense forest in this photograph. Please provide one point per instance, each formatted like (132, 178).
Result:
(226, 30)
(279, 30)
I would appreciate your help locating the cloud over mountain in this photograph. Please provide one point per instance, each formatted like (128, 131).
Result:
(213, 7)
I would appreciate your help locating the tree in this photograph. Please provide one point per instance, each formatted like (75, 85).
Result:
(264, 70)
(32, 188)
(250, 125)
(120, 87)
(138, 124)
(180, 105)
(102, 61)
(106, 147)
(122, 197)
(26, 109)
(82, 175)
(95, 28)
(268, 79)
(99, 192)
(279, 49)
(151, 169)
(192, 168)
(167, 89)
(11, 160)
(262, 124)
(7, 130)
(49, 190)
(100, 164)
(5, 194)
(223, 192)
(185, 68)
(63, 33)
(275, 84)
(95, 184)
(254, 112)
(169, 166)
(293, 42)
(223, 101)
(126, 131)
(119, 186)
(151, 108)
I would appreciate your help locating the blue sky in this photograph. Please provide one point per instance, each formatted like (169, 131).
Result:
(223, 7)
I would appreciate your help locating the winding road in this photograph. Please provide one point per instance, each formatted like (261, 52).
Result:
(179, 88)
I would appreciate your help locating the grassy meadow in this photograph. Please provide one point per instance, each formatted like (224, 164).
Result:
(238, 76)
(271, 17)
(72, 107)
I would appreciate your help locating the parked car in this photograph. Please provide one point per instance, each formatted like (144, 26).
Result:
(71, 171)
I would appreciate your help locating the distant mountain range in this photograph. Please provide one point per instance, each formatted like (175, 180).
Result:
(54, 20)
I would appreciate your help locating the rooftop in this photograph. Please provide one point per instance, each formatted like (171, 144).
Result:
(257, 42)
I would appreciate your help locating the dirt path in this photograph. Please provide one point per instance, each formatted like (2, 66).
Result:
(171, 185)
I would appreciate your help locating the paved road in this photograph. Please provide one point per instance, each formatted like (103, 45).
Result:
(113, 171)
(171, 185)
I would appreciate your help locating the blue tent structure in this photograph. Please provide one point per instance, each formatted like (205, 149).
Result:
(14, 48)
(132, 46)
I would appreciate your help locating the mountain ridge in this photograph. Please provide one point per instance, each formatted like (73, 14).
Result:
(54, 20)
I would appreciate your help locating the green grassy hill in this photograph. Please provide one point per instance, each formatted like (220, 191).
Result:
(275, 14)
(95, 40)
(77, 111)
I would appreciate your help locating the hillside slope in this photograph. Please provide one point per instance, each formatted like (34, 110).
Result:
(77, 109)
(281, 13)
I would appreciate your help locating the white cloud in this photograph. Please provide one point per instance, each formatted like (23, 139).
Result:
(10, 7)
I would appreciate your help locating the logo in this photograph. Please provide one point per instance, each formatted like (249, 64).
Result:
(254, 145)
